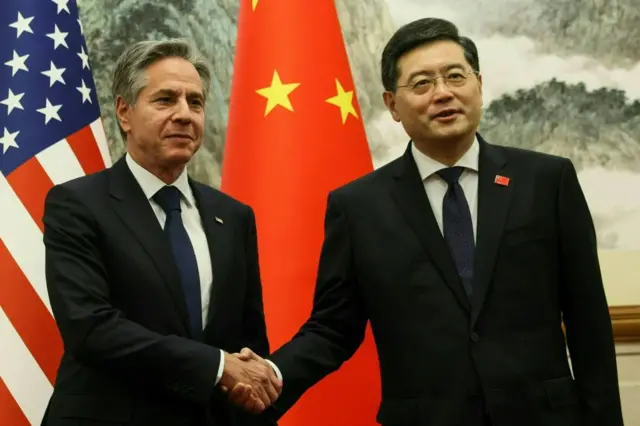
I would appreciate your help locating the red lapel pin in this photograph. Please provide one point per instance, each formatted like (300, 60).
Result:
(501, 180)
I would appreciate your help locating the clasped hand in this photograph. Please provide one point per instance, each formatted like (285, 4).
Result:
(250, 381)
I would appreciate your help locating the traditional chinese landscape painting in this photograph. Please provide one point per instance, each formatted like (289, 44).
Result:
(559, 77)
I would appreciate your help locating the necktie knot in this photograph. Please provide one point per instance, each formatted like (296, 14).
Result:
(451, 175)
(168, 198)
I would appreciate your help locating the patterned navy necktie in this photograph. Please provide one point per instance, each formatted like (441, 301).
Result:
(169, 199)
(457, 226)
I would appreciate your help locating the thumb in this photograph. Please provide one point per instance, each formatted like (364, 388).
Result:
(246, 354)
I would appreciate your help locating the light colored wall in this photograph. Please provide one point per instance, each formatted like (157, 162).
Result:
(629, 376)
(621, 275)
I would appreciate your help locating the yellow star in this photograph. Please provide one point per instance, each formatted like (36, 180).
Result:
(277, 94)
(254, 4)
(343, 100)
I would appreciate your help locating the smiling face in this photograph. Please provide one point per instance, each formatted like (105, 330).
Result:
(445, 111)
(165, 126)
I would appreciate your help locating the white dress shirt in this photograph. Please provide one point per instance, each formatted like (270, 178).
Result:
(436, 187)
(151, 184)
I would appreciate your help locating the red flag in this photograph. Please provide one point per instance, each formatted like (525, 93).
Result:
(501, 180)
(295, 133)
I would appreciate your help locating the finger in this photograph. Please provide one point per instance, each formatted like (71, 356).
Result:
(248, 403)
(255, 404)
(262, 395)
(247, 395)
(272, 392)
(240, 394)
(236, 391)
(277, 383)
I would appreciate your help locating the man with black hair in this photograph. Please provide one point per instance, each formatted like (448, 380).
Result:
(467, 258)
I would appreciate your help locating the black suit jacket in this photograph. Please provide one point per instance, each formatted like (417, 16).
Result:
(444, 358)
(116, 296)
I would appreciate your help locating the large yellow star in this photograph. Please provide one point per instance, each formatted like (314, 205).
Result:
(344, 101)
(277, 94)
(254, 4)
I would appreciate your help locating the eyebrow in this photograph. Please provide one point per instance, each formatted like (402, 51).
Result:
(430, 73)
(170, 92)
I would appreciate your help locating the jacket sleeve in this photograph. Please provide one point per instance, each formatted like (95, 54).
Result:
(93, 330)
(254, 329)
(584, 308)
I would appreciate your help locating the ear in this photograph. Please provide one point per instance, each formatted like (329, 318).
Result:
(480, 88)
(389, 99)
(123, 111)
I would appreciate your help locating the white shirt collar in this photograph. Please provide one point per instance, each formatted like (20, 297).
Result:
(427, 166)
(151, 184)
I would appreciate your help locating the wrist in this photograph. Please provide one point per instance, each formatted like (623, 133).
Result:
(225, 378)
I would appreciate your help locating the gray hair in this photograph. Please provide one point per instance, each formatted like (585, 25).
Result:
(129, 78)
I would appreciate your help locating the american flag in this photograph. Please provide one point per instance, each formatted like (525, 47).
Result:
(50, 132)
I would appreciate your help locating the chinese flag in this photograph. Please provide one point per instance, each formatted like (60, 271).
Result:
(294, 134)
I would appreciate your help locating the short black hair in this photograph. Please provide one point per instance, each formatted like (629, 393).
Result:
(417, 33)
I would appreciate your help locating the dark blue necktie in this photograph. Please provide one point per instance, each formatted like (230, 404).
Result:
(458, 228)
(169, 199)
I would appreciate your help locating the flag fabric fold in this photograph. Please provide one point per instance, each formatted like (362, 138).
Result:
(50, 132)
(295, 133)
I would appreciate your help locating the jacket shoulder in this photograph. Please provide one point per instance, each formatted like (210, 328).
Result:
(85, 186)
(222, 199)
(520, 154)
(372, 181)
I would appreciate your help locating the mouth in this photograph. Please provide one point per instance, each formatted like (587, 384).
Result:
(179, 136)
(446, 114)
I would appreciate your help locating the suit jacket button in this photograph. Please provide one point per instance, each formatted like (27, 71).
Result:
(475, 337)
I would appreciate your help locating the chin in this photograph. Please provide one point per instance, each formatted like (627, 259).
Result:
(449, 135)
(179, 158)
(183, 151)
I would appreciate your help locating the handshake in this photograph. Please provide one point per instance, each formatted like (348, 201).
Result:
(250, 381)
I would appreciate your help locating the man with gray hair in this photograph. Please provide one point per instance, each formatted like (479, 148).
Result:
(153, 277)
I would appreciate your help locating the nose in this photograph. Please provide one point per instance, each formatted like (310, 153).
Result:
(441, 91)
(182, 111)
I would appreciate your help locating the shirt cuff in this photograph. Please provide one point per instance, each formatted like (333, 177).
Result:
(220, 367)
(276, 369)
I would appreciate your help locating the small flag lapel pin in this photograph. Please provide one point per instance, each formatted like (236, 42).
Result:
(219, 220)
(501, 180)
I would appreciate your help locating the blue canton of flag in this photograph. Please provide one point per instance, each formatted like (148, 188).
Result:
(46, 85)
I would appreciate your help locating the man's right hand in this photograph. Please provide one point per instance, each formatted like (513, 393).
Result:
(251, 384)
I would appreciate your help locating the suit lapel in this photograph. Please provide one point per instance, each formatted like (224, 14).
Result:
(130, 203)
(493, 206)
(411, 198)
(219, 238)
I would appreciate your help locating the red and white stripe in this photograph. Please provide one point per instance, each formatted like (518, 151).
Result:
(31, 344)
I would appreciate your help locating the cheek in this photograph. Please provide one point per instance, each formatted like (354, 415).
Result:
(160, 123)
(198, 123)
(414, 107)
(153, 121)
(146, 128)
(475, 109)
(472, 100)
